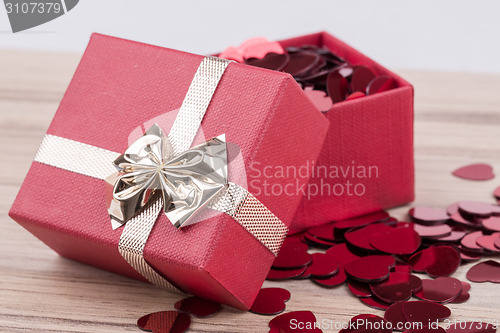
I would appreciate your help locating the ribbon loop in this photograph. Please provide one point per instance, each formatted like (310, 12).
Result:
(186, 182)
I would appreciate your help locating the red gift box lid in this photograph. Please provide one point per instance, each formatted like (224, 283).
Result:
(121, 87)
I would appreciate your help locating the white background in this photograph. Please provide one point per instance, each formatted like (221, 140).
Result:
(451, 35)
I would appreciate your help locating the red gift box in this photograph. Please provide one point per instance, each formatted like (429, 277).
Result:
(372, 136)
(119, 87)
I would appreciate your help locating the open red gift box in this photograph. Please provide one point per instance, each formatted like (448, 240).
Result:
(122, 87)
(366, 163)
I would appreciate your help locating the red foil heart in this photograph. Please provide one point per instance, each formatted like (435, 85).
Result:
(491, 223)
(198, 307)
(398, 287)
(360, 237)
(380, 84)
(342, 226)
(397, 241)
(370, 268)
(486, 271)
(488, 242)
(440, 290)
(293, 254)
(333, 281)
(165, 322)
(394, 314)
(359, 289)
(375, 303)
(479, 171)
(361, 78)
(464, 296)
(428, 215)
(442, 230)
(322, 266)
(469, 241)
(425, 312)
(319, 99)
(275, 274)
(437, 261)
(270, 301)
(273, 61)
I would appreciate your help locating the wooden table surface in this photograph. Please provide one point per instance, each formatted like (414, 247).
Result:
(457, 121)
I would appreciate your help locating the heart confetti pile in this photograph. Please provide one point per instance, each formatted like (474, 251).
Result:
(325, 77)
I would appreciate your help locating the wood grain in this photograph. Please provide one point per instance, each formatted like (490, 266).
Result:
(457, 118)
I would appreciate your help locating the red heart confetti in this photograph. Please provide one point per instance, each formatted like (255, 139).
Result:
(442, 230)
(370, 268)
(319, 99)
(301, 62)
(316, 242)
(360, 237)
(398, 287)
(324, 232)
(440, 290)
(437, 261)
(428, 215)
(270, 301)
(380, 84)
(469, 255)
(273, 61)
(397, 241)
(375, 303)
(453, 237)
(464, 296)
(478, 208)
(488, 242)
(394, 315)
(333, 281)
(361, 78)
(337, 87)
(486, 271)
(256, 47)
(322, 266)
(479, 171)
(359, 289)
(491, 223)
(275, 274)
(470, 221)
(284, 323)
(198, 307)
(165, 322)
(293, 254)
(469, 241)
(355, 95)
(344, 225)
(425, 312)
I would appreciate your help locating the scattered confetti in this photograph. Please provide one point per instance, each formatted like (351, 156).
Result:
(165, 322)
(486, 271)
(270, 301)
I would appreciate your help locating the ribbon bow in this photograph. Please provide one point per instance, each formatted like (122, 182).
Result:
(186, 182)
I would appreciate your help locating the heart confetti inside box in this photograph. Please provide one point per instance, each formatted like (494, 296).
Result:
(366, 162)
(129, 141)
